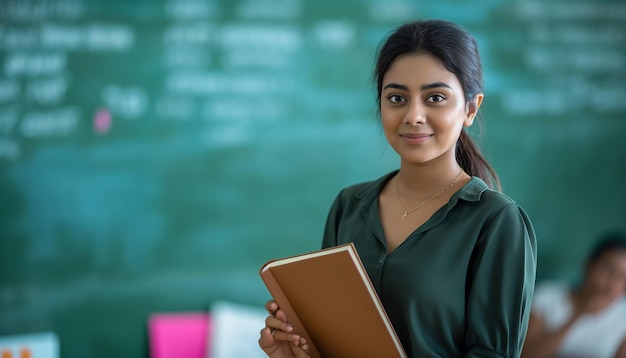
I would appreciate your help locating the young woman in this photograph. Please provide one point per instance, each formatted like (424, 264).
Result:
(587, 321)
(452, 260)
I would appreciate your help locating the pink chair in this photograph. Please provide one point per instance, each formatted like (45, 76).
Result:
(179, 335)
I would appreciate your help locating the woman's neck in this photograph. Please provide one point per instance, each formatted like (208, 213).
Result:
(417, 180)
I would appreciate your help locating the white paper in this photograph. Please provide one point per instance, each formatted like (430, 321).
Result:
(35, 345)
(236, 330)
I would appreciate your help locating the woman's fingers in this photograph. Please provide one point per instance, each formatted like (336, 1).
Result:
(280, 314)
(271, 306)
(271, 337)
(277, 332)
(299, 352)
(272, 340)
(303, 344)
(280, 330)
(266, 340)
(276, 324)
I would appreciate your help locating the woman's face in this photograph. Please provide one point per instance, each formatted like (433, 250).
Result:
(607, 274)
(423, 108)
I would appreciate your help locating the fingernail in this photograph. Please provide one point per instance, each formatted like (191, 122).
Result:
(289, 328)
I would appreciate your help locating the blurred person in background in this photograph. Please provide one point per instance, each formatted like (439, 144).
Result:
(588, 320)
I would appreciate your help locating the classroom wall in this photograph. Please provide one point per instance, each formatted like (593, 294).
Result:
(153, 154)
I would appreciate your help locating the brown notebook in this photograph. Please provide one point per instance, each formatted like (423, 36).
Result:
(329, 300)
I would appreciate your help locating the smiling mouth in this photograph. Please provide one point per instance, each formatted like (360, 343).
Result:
(415, 138)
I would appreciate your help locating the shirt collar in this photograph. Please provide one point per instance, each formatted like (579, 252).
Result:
(471, 191)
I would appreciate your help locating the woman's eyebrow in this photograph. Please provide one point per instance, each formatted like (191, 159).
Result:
(396, 86)
(435, 85)
(423, 87)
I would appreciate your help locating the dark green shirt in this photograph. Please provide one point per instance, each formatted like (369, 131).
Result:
(461, 284)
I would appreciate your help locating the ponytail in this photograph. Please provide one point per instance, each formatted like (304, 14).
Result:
(473, 163)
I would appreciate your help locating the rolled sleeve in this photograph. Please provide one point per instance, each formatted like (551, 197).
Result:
(501, 285)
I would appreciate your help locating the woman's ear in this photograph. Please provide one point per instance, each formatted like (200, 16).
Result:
(472, 109)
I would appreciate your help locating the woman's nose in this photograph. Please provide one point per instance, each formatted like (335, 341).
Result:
(415, 115)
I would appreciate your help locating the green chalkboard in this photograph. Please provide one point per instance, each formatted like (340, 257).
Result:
(154, 153)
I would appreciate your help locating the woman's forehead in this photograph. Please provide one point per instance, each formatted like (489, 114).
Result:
(419, 69)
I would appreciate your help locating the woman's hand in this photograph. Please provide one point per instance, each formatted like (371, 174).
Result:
(277, 339)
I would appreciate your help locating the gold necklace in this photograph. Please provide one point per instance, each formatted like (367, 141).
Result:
(407, 212)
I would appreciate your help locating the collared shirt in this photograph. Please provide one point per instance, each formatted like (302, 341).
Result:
(461, 284)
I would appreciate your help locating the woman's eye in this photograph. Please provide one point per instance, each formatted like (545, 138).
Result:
(394, 98)
(436, 98)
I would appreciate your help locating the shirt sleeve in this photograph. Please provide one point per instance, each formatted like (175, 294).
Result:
(501, 284)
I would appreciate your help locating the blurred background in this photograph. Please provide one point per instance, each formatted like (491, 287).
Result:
(155, 153)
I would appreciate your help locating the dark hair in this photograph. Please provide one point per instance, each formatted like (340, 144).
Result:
(609, 242)
(458, 52)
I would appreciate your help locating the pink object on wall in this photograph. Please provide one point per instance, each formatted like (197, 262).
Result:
(179, 335)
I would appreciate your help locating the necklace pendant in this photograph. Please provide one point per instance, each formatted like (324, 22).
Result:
(405, 215)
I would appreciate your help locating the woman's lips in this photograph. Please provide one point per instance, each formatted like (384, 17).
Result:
(415, 138)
